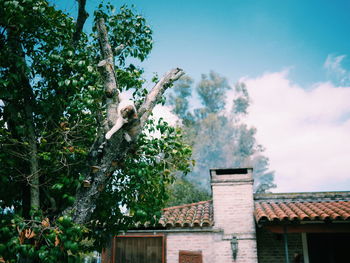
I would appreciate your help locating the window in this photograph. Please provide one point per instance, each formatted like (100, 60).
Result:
(190, 257)
(139, 249)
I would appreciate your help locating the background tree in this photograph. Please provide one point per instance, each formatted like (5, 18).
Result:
(211, 91)
(179, 98)
(60, 180)
(219, 137)
(183, 191)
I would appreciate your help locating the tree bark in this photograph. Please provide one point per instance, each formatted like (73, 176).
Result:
(108, 74)
(28, 102)
(82, 16)
(114, 149)
(34, 165)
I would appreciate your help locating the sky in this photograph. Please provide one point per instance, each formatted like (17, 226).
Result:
(293, 56)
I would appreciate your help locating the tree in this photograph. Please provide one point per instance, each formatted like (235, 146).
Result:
(179, 98)
(200, 128)
(183, 191)
(219, 137)
(211, 91)
(61, 181)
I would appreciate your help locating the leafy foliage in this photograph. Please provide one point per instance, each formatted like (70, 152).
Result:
(146, 172)
(51, 110)
(211, 91)
(183, 191)
(179, 98)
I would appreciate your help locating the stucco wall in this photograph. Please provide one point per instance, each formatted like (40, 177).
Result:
(271, 246)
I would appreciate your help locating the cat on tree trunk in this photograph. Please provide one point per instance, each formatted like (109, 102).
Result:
(126, 110)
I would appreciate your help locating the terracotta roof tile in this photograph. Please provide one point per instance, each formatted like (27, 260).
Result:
(270, 207)
(301, 211)
(191, 215)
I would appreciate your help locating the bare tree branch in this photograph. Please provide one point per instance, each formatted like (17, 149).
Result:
(82, 16)
(157, 92)
(108, 74)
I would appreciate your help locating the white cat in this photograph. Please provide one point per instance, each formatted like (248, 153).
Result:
(125, 110)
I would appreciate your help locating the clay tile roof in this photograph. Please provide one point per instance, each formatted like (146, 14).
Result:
(269, 208)
(302, 207)
(190, 215)
(302, 211)
(311, 206)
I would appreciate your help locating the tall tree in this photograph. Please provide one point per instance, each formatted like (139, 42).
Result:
(219, 137)
(179, 98)
(61, 181)
(211, 91)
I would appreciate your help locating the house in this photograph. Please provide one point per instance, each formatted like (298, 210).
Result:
(241, 227)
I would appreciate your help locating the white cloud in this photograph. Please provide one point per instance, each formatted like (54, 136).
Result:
(306, 132)
(335, 70)
(334, 63)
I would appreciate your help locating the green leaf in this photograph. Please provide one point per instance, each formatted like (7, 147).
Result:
(57, 186)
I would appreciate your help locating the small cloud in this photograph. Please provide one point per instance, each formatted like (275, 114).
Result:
(334, 63)
(335, 70)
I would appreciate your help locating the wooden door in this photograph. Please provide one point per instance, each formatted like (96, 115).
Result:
(190, 257)
(139, 249)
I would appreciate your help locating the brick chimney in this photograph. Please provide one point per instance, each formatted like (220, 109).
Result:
(233, 204)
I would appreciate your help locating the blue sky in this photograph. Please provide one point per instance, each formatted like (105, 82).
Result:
(243, 38)
(293, 56)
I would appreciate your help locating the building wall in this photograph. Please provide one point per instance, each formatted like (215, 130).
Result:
(271, 246)
(215, 247)
(246, 251)
(190, 241)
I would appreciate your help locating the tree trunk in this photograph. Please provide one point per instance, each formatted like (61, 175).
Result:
(34, 166)
(28, 102)
(33, 162)
(114, 149)
(82, 16)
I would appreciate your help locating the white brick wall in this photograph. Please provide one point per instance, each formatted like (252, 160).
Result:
(233, 208)
(215, 247)
(233, 213)
(190, 241)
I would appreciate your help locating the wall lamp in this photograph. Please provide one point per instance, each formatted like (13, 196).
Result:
(234, 247)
